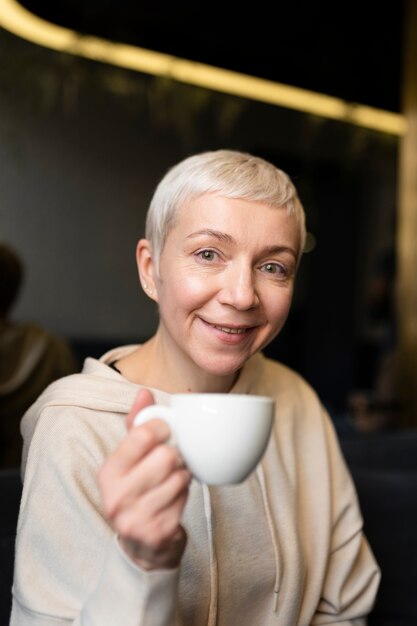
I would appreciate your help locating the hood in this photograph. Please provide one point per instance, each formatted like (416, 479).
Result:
(97, 387)
(101, 388)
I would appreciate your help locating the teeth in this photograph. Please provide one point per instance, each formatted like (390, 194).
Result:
(231, 331)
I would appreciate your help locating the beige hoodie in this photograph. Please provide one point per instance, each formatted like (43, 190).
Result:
(284, 548)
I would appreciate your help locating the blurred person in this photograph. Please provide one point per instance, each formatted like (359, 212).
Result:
(112, 528)
(30, 359)
(378, 406)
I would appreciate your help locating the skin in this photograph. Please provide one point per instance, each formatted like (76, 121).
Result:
(224, 290)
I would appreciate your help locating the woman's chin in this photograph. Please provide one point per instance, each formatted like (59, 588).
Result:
(219, 368)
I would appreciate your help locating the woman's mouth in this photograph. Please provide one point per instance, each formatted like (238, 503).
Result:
(231, 334)
(228, 335)
(231, 331)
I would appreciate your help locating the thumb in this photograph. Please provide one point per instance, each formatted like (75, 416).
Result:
(143, 398)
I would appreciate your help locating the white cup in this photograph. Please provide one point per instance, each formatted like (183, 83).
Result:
(220, 436)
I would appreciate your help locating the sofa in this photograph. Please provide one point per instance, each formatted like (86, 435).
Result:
(384, 468)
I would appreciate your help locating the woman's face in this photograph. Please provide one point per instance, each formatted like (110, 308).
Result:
(225, 282)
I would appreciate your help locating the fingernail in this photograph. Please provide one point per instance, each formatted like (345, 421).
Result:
(180, 460)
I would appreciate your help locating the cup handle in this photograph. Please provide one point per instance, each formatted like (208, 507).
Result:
(153, 410)
(157, 410)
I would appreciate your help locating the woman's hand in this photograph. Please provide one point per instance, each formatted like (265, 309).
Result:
(144, 488)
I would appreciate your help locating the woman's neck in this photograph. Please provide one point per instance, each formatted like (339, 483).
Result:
(153, 365)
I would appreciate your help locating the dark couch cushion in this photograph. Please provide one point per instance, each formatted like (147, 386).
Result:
(387, 450)
(389, 505)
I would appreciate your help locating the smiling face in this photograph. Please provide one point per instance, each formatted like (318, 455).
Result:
(225, 282)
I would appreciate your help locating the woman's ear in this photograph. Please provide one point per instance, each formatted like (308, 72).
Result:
(146, 269)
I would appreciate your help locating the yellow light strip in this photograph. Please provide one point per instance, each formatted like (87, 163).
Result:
(17, 20)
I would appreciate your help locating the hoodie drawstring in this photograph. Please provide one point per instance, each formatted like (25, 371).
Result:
(212, 617)
(261, 478)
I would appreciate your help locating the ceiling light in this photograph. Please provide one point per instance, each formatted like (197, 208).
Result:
(20, 22)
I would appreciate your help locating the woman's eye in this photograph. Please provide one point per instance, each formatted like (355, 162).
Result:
(207, 255)
(275, 269)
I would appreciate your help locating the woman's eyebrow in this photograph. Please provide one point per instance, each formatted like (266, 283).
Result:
(212, 233)
(271, 250)
(217, 234)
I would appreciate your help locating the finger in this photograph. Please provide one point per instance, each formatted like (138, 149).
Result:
(161, 533)
(137, 444)
(169, 520)
(163, 495)
(146, 519)
(143, 398)
(153, 469)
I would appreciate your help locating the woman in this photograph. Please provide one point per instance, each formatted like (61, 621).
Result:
(112, 528)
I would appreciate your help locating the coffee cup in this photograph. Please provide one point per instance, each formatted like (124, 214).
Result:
(220, 436)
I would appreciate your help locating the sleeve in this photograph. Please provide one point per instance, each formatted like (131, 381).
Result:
(69, 568)
(352, 575)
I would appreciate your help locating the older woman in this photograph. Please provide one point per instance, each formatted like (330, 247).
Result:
(112, 528)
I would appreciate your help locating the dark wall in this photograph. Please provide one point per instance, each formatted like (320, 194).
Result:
(82, 147)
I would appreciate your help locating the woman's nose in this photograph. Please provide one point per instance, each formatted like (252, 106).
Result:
(239, 289)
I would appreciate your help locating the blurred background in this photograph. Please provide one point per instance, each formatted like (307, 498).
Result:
(83, 143)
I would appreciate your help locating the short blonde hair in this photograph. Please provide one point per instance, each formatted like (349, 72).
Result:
(226, 173)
